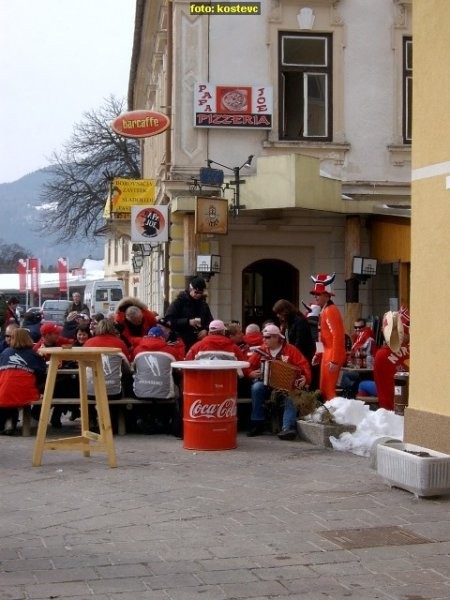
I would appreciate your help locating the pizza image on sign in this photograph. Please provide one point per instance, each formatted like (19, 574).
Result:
(234, 99)
(149, 223)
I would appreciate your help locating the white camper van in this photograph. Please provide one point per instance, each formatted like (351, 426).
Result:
(102, 295)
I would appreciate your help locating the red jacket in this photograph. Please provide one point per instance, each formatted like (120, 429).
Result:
(212, 342)
(107, 340)
(287, 353)
(254, 339)
(157, 344)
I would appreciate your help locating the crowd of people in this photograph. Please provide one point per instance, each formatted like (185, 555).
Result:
(312, 341)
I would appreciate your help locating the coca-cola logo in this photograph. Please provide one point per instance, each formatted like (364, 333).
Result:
(224, 410)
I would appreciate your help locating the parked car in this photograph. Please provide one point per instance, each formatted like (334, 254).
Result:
(55, 310)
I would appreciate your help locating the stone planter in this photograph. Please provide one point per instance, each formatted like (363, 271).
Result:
(419, 470)
(319, 433)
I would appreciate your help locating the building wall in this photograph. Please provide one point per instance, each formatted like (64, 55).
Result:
(428, 420)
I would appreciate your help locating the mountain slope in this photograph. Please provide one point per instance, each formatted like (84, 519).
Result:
(20, 222)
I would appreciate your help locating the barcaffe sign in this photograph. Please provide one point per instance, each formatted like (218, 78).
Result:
(140, 123)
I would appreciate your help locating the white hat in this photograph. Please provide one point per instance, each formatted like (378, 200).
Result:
(217, 325)
(393, 331)
(272, 330)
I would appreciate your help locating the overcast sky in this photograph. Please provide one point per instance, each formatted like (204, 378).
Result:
(58, 58)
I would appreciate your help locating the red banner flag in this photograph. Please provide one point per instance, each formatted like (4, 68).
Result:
(63, 269)
(35, 269)
(22, 270)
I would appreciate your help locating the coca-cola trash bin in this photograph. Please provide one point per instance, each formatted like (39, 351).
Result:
(209, 403)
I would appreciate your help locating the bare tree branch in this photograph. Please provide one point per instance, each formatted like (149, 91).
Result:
(74, 196)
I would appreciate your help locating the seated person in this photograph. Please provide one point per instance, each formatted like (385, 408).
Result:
(22, 377)
(156, 341)
(363, 344)
(367, 388)
(153, 379)
(253, 336)
(117, 368)
(32, 322)
(275, 347)
(73, 321)
(236, 335)
(216, 341)
(134, 319)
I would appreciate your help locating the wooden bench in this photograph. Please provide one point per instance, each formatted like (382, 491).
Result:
(123, 405)
(372, 401)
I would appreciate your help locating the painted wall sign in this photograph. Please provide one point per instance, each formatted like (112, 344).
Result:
(232, 106)
(140, 123)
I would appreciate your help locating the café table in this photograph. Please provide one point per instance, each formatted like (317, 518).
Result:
(88, 440)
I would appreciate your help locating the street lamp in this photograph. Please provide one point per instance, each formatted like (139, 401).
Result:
(237, 180)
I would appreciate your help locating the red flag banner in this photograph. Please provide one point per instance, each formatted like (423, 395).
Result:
(35, 268)
(22, 270)
(62, 270)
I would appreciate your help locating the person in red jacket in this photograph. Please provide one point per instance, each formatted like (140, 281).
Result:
(156, 341)
(253, 336)
(133, 319)
(217, 341)
(331, 336)
(393, 357)
(275, 347)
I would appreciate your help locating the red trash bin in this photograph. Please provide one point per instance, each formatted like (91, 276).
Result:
(209, 403)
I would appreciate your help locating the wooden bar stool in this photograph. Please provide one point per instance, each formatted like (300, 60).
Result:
(88, 440)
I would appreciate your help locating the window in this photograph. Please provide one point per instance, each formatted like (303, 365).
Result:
(407, 89)
(305, 86)
(116, 251)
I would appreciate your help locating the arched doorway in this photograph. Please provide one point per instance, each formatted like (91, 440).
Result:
(263, 283)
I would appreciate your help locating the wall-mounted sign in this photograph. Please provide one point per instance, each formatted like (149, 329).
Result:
(149, 223)
(233, 106)
(140, 123)
(211, 215)
(125, 193)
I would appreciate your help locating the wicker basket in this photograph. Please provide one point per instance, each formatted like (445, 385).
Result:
(281, 375)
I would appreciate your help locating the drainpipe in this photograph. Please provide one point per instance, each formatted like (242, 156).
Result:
(168, 135)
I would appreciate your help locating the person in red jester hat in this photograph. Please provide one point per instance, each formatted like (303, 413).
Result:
(393, 357)
(331, 336)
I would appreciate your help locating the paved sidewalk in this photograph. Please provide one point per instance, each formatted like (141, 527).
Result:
(262, 521)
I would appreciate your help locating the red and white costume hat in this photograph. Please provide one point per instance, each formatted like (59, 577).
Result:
(322, 283)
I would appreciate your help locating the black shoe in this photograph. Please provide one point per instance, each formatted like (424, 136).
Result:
(287, 434)
(256, 429)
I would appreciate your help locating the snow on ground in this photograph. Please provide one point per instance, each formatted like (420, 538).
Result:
(370, 425)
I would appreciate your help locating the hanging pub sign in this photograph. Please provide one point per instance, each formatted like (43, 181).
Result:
(235, 106)
(140, 123)
(149, 223)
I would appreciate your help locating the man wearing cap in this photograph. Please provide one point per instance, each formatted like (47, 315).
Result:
(216, 341)
(190, 314)
(332, 336)
(156, 341)
(275, 347)
(393, 357)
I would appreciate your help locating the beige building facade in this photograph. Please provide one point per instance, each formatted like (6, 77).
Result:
(427, 420)
(329, 178)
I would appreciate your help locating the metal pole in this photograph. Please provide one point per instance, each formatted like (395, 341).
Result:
(237, 199)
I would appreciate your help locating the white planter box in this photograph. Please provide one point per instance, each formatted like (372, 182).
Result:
(421, 475)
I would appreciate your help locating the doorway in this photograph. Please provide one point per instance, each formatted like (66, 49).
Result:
(263, 283)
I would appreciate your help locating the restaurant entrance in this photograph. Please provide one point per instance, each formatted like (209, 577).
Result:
(263, 283)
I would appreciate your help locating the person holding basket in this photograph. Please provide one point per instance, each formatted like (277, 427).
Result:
(276, 365)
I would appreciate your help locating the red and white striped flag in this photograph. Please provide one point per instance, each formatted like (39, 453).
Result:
(22, 270)
(35, 270)
(63, 269)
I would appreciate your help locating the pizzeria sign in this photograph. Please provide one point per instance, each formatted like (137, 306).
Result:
(233, 106)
